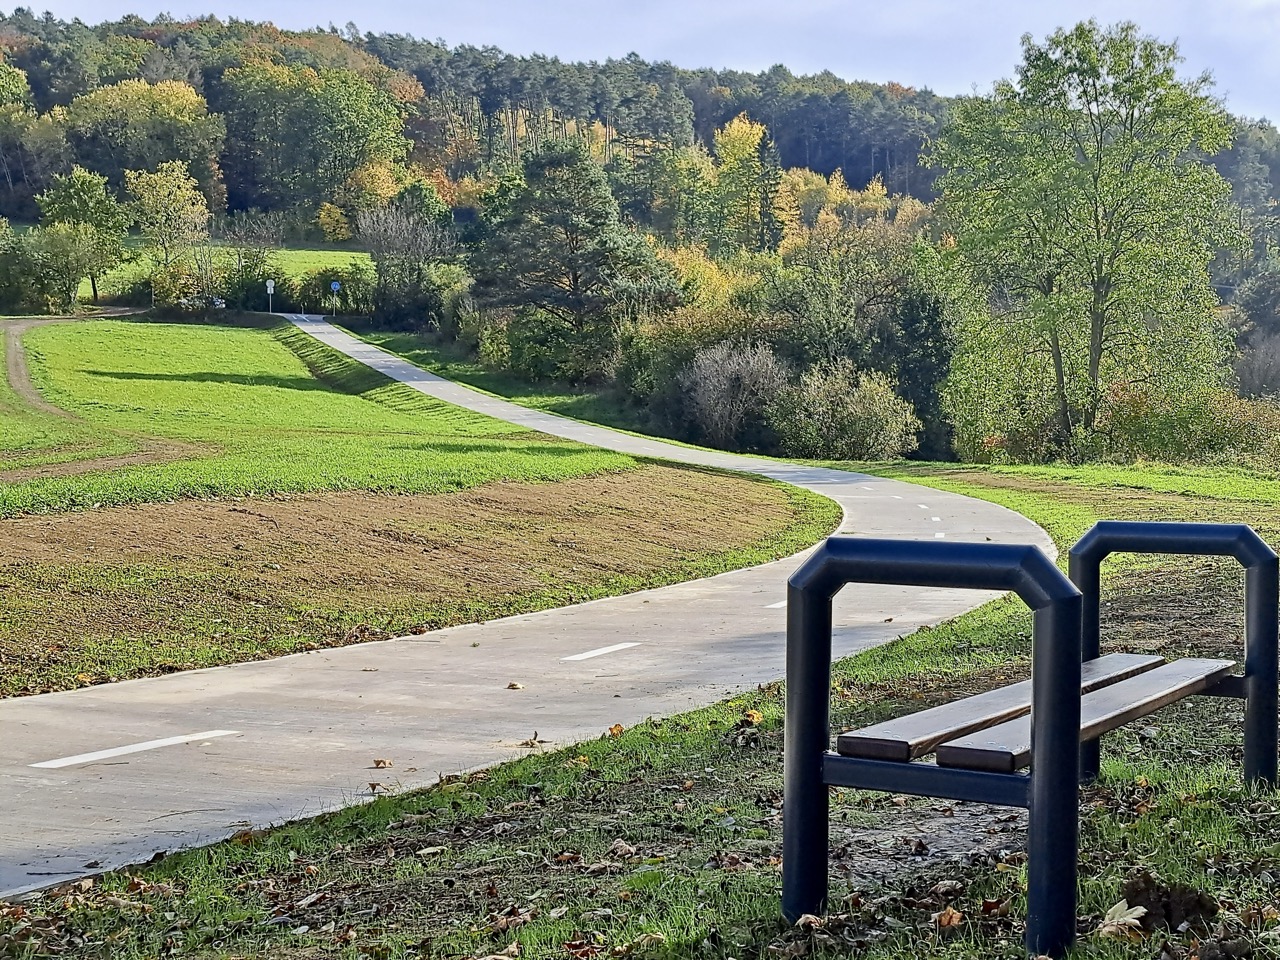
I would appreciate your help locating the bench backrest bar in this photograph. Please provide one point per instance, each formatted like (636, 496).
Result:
(1261, 597)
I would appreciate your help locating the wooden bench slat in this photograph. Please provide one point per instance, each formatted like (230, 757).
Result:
(1007, 747)
(907, 738)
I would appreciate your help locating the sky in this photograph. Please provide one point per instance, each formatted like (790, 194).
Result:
(949, 46)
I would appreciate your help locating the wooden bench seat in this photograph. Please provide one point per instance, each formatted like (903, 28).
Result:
(913, 736)
(1006, 747)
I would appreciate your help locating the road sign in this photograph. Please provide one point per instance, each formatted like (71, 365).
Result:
(271, 289)
(335, 286)
(271, 286)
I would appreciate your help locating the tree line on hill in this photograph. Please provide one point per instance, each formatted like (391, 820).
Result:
(759, 261)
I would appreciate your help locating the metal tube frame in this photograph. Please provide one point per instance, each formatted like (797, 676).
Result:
(1050, 791)
(1258, 686)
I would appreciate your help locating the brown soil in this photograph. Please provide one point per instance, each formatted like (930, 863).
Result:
(197, 583)
(19, 375)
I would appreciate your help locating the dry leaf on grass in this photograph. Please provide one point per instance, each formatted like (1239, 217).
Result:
(754, 717)
(616, 730)
(1123, 922)
(511, 950)
(950, 917)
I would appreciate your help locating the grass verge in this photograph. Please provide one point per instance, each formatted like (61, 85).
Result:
(274, 412)
(664, 841)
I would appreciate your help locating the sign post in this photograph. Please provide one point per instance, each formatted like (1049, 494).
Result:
(335, 287)
(271, 289)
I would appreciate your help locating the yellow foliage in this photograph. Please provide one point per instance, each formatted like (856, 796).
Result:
(370, 185)
(333, 223)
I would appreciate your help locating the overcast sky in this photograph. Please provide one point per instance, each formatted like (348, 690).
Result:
(947, 45)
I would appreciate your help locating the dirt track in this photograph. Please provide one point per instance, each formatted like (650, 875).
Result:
(148, 450)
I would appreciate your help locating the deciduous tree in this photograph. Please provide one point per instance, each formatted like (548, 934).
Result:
(169, 208)
(1079, 190)
(82, 198)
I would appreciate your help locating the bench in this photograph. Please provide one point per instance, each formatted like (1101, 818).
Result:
(981, 743)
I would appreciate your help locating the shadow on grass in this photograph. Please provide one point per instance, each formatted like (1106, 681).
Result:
(246, 380)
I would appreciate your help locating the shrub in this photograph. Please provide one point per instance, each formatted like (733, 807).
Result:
(356, 296)
(728, 387)
(836, 413)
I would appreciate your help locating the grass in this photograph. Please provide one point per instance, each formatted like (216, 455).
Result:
(274, 411)
(584, 403)
(664, 841)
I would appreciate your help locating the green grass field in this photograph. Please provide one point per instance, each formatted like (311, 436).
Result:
(664, 842)
(277, 413)
(291, 262)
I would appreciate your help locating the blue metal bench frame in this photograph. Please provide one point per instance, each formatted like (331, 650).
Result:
(1065, 633)
(1258, 686)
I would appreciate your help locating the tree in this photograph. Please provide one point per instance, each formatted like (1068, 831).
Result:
(1078, 192)
(82, 198)
(169, 208)
(556, 245)
(407, 240)
(135, 125)
(298, 135)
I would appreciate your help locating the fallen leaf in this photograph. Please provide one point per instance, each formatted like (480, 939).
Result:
(754, 717)
(515, 686)
(382, 764)
(1123, 922)
(620, 848)
(950, 917)
(616, 730)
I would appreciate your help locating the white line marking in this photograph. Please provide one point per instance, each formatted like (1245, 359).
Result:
(938, 536)
(775, 606)
(865, 487)
(923, 506)
(936, 519)
(132, 748)
(895, 496)
(599, 653)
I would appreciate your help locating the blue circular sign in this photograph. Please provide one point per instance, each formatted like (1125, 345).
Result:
(335, 286)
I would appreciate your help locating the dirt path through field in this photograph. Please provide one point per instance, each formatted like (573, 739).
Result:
(148, 449)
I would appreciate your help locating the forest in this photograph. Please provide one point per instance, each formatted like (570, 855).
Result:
(792, 264)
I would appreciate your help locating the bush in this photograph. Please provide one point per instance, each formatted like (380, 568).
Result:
(356, 296)
(835, 413)
(1209, 426)
(728, 387)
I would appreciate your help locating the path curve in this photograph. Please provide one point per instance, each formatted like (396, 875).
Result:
(108, 775)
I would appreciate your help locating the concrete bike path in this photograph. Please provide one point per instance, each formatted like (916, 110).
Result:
(110, 775)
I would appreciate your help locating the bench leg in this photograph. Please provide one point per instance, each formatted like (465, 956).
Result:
(1090, 760)
(1260, 670)
(806, 808)
(1053, 830)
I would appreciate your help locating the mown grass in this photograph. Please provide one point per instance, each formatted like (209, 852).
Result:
(276, 411)
(583, 403)
(290, 263)
(664, 841)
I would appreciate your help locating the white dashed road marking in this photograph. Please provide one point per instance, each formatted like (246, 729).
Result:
(600, 652)
(775, 606)
(132, 748)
